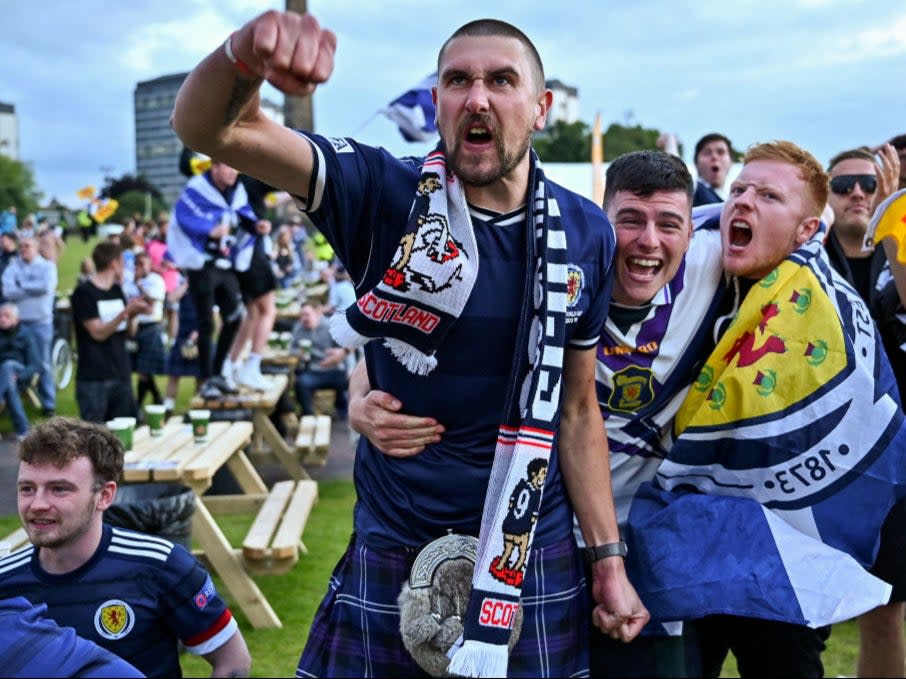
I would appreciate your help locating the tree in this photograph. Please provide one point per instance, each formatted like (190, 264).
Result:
(133, 203)
(17, 187)
(114, 188)
(564, 142)
(620, 139)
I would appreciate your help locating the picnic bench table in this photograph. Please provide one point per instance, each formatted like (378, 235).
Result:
(312, 442)
(273, 543)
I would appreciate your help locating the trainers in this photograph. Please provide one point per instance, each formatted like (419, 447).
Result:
(210, 392)
(228, 374)
(222, 385)
(250, 376)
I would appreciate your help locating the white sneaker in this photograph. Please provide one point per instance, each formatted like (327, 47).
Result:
(250, 376)
(228, 373)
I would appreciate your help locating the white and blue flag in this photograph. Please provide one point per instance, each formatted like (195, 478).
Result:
(790, 450)
(413, 111)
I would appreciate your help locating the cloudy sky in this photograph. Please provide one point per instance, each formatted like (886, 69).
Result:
(827, 74)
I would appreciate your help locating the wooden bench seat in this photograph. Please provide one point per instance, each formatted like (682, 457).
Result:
(313, 439)
(17, 539)
(274, 540)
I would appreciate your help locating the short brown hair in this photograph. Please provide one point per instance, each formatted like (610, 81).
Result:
(60, 440)
(104, 254)
(810, 169)
(494, 28)
(861, 153)
(707, 139)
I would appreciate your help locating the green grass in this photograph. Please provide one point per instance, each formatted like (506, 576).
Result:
(295, 595)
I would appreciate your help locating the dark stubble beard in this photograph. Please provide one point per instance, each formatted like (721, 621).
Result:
(506, 162)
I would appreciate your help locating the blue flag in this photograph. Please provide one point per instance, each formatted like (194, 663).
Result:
(413, 111)
(790, 450)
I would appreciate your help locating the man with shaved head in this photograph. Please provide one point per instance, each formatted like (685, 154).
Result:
(489, 289)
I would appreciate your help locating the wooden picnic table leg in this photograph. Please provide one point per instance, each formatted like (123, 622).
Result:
(278, 445)
(228, 566)
(246, 475)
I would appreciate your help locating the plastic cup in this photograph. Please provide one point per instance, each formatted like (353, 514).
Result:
(273, 340)
(123, 428)
(285, 339)
(305, 349)
(200, 420)
(154, 416)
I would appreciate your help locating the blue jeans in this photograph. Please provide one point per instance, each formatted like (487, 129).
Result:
(47, 385)
(309, 381)
(9, 392)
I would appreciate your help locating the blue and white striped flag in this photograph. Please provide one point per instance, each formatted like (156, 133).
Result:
(790, 451)
(413, 111)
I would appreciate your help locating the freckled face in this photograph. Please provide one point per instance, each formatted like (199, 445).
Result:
(765, 218)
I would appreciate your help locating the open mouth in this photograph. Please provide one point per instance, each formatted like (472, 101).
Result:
(740, 234)
(478, 134)
(643, 266)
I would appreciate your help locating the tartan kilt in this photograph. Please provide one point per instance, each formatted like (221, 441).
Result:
(180, 366)
(356, 629)
(151, 357)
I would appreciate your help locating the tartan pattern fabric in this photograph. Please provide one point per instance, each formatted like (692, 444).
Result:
(355, 632)
(151, 357)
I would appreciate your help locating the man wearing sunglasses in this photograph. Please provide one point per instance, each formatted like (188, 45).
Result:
(858, 183)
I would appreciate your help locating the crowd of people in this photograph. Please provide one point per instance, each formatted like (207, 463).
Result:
(597, 396)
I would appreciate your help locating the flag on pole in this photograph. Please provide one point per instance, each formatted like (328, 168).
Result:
(889, 221)
(597, 162)
(413, 111)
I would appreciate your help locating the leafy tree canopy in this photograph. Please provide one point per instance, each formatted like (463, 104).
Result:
(571, 142)
(17, 187)
(135, 203)
(116, 187)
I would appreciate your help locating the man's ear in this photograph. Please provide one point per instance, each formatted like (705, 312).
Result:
(545, 100)
(107, 495)
(807, 229)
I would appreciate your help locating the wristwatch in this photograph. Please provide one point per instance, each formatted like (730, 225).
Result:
(599, 552)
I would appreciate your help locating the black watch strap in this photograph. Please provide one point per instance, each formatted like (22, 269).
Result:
(599, 552)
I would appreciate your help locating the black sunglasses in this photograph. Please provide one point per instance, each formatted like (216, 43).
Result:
(844, 183)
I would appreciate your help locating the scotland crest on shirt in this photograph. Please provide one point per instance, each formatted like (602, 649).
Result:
(632, 389)
(575, 282)
(114, 619)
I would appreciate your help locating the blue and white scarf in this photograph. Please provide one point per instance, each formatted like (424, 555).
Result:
(419, 298)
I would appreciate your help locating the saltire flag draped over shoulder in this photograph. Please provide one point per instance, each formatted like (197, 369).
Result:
(413, 111)
(789, 453)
